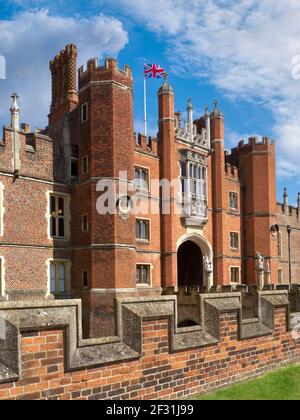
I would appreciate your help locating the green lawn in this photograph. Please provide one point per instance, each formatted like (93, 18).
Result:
(282, 384)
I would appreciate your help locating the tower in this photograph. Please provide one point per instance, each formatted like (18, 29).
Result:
(169, 172)
(256, 161)
(105, 254)
(219, 204)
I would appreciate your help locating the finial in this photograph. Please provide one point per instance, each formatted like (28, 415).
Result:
(190, 105)
(165, 88)
(216, 112)
(15, 111)
(15, 106)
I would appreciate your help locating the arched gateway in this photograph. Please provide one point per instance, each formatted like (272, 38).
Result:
(194, 260)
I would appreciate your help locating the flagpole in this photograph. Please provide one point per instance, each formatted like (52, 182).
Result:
(145, 106)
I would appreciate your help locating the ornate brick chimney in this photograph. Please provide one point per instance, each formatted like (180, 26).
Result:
(64, 83)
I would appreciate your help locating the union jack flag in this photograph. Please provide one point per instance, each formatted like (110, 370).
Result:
(153, 70)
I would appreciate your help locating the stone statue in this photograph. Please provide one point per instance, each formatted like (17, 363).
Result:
(207, 265)
(260, 265)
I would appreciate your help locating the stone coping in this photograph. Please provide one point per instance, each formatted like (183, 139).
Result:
(19, 317)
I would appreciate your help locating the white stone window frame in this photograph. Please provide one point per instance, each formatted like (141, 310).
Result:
(144, 285)
(235, 267)
(187, 182)
(238, 240)
(68, 265)
(237, 200)
(143, 219)
(140, 188)
(67, 216)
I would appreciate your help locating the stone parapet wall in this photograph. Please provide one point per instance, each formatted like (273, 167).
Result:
(43, 355)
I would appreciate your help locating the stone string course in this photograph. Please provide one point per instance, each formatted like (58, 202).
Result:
(43, 355)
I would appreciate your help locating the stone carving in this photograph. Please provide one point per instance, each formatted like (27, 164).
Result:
(260, 264)
(207, 265)
(183, 134)
(193, 156)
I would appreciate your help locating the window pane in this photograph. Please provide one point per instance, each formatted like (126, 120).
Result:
(136, 178)
(137, 230)
(52, 205)
(195, 172)
(183, 169)
(145, 275)
(85, 279)
(61, 227)
(144, 180)
(61, 278)
(183, 186)
(138, 278)
(61, 207)
(74, 168)
(52, 278)
(53, 226)
(144, 230)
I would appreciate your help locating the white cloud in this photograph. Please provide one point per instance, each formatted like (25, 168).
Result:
(32, 38)
(244, 47)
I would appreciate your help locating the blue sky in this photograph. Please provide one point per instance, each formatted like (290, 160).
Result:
(240, 52)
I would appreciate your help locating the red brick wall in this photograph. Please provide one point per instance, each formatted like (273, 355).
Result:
(157, 374)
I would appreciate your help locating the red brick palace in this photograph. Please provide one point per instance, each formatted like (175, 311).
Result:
(54, 242)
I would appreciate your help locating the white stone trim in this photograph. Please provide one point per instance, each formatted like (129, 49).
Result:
(240, 274)
(67, 198)
(146, 286)
(68, 265)
(206, 250)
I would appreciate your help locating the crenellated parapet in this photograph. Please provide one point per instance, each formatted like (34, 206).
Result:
(221, 322)
(254, 145)
(232, 172)
(107, 73)
(144, 144)
(35, 152)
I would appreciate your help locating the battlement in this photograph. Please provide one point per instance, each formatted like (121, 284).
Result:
(232, 171)
(291, 211)
(110, 71)
(35, 152)
(118, 367)
(254, 144)
(145, 144)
